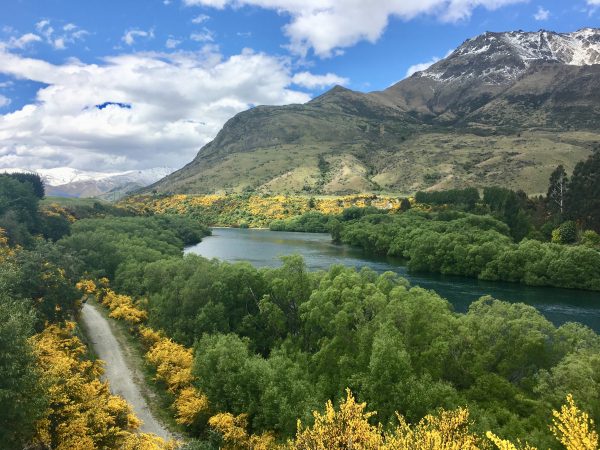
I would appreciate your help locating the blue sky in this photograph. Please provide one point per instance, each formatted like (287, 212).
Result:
(183, 67)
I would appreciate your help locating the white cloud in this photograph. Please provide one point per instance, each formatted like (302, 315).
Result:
(200, 19)
(312, 81)
(130, 35)
(70, 34)
(328, 25)
(172, 43)
(421, 66)
(542, 14)
(219, 4)
(593, 2)
(23, 41)
(178, 102)
(4, 101)
(203, 36)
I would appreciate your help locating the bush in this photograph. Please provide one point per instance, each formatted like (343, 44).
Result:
(591, 239)
(566, 233)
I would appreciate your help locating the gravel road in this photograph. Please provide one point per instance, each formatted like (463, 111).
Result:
(117, 372)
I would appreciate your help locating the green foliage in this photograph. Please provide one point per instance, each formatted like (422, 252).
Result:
(120, 247)
(21, 393)
(310, 222)
(18, 210)
(466, 198)
(591, 239)
(355, 212)
(20, 215)
(33, 180)
(510, 207)
(276, 343)
(566, 233)
(457, 243)
(583, 195)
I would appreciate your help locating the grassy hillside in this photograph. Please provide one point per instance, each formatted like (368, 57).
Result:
(384, 164)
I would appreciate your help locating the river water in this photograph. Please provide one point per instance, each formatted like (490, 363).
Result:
(263, 248)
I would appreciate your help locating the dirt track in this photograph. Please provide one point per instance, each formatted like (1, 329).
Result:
(117, 372)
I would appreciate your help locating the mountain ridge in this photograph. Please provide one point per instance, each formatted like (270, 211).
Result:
(501, 107)
(69, 182)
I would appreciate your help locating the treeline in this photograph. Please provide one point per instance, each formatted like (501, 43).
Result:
(20, 214)
(114, 247)
(576, 199)
(475, 246)
(276, 344)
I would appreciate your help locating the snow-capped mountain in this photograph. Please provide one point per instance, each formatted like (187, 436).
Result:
(498, 58)
(68, 182)
(511, 79)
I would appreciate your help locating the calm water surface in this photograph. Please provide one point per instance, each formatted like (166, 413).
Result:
(263, 248)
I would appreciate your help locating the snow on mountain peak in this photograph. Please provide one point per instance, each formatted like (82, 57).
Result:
(500, 57)
(77, 183)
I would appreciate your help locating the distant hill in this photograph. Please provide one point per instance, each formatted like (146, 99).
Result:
(67, 182)
(503, 108)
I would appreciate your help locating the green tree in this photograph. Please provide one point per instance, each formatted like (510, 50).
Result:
(583, 194)
(566, 233)
(21, 393)
(405, 205)
(33, 179)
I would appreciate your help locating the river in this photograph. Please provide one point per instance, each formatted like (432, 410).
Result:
(263, 248)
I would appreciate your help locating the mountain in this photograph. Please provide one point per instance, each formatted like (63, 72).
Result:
(503, 108)
(67, 182)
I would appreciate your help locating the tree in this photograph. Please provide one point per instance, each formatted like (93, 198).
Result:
(21, 393)
(583, 193)
(566, 233)
(557, 190)
(18, 210)
(33, 179)
(405, 205)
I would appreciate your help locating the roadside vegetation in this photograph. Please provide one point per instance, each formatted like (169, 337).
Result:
(51, 392)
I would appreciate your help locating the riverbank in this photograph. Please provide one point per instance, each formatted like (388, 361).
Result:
(263, 248)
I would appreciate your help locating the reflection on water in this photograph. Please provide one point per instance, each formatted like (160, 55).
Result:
(263, 248)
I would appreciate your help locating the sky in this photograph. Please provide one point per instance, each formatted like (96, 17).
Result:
(116, 85)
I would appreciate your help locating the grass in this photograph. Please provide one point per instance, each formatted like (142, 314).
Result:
(522, 160)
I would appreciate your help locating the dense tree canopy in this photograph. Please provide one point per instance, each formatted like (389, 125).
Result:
(274, 344)
(583, 194)
(476, 246)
